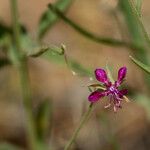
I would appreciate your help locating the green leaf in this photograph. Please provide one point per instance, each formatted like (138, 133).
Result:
(90, 35)
(141, 65)
(138, 6)
(5, 35)
(40, 50)
(49, 18)
(97, 86)
(132, 21)
(79, 69)
(57, 55)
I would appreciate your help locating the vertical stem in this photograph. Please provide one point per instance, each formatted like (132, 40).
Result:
(76, 132)
(24, 79)
(26, 94)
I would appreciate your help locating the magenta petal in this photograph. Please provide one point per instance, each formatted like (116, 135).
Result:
(101, 75)
(95, 96)
(121, 74)
(123, 92)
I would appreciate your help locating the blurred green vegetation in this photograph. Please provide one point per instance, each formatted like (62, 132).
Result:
(139, 45)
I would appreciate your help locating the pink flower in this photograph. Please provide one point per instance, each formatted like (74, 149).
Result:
(111, 89)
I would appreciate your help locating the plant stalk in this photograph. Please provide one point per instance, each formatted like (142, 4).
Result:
(24, 79)
(82, 122)
(93, 37)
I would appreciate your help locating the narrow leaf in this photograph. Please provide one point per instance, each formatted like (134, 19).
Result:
(58, 55)
(138, 6)
(91, 36)
(141, 65)
(49, 18)
(132, 22)
(97, 86)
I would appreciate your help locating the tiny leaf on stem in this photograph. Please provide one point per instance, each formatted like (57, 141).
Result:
(58, 55)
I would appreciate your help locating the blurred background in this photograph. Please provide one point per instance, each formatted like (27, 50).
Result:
(66, 93)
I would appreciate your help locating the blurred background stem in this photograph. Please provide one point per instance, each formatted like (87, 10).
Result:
(21, 64)
(82, 122)
(94, 37)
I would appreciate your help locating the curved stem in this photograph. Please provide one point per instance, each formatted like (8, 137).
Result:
(96, 38)
(76, 132)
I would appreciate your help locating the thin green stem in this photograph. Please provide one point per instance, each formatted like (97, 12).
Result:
(26, 94)
(96, 38)
(24, 78)
(16, 29)
(76, 132)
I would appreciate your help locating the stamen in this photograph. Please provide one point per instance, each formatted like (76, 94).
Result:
(91, 79)
(73, 73)
(107, 106)
(115, 109)
(126, 99)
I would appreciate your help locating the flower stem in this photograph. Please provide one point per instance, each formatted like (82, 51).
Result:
(22, 67)
(76, 132)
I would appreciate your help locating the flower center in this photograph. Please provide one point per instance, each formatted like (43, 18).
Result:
(112, 89)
